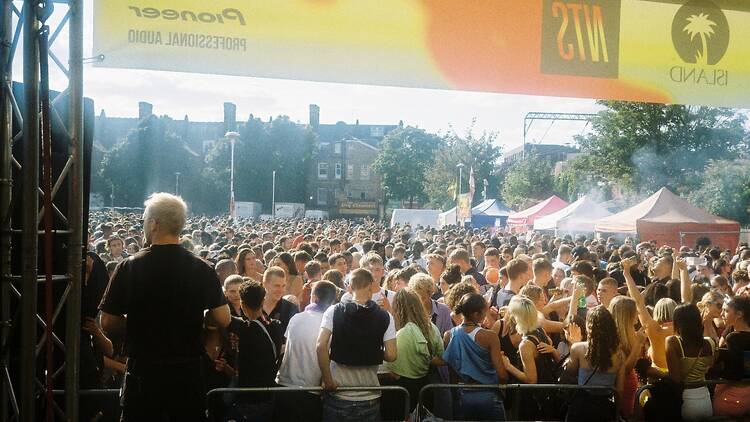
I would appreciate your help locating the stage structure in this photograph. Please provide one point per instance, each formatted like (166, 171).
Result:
(41, 207)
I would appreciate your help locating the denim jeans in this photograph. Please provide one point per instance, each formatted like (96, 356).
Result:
(336, 409)
(480, 406)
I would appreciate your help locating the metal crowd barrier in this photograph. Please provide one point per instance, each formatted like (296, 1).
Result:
(706, 383)
(92, 392)
(243, 391)
(520, 387)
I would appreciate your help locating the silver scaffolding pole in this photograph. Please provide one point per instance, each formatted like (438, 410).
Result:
(21, 377)
(7, 398)
(30, 195)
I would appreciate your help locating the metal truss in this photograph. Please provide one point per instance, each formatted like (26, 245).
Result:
(530, 117)
(29, 390)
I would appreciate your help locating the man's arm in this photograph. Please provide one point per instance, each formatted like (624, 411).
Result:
(113, 324)
(391, 352)
(324, 360)
(219, 316)
(686, 293)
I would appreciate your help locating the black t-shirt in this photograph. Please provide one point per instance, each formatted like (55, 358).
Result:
(164, 291)
(256, 363)
(283, 311)
(477, 276)
(738, 345)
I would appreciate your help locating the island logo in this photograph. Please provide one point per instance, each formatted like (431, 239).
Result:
(700, 33)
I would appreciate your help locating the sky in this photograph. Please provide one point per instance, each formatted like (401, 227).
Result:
(201, 98)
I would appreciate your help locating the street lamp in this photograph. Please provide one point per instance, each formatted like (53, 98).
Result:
(177, 183)
(232, 136)
(460, 167)
(273, 194)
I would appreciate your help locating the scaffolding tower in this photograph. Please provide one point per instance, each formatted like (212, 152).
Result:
(26, 307)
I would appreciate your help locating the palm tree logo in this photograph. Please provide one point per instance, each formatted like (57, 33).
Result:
(700, 25)
(700, 33)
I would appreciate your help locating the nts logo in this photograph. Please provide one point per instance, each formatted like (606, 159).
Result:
(700, 35)
(581, 38)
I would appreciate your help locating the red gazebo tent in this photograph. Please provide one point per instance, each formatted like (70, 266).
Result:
(671, 220)
(523, 221)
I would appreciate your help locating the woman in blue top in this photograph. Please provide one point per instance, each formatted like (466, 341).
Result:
(474, 355)
(597, 362)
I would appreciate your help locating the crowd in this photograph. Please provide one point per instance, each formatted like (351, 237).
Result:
(202, 303)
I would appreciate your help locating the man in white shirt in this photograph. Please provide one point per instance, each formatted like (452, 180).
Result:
(299, 366)
(563, 258)
(354, 338)
(374, 264)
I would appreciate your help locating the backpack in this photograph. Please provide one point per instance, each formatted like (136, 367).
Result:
(543, 404)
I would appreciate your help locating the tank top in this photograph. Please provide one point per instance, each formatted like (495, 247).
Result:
(694, 368)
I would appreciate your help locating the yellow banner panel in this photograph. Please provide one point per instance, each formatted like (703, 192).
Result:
(642, 50)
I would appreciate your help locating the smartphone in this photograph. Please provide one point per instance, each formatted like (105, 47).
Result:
(695, 261)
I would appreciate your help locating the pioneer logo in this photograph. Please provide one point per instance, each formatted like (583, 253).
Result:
(581, 37)
(225, 16)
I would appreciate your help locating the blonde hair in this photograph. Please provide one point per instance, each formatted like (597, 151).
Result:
(664, 310)
(168, 210)
(624, 311)
(524, 312)
(422, 284)
(408, 308)
(711, 298)
(532, 291)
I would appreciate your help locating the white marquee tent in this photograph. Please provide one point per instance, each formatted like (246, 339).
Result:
(576, 217)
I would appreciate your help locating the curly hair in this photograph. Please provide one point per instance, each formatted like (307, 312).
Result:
(603, 340)
(456, 292)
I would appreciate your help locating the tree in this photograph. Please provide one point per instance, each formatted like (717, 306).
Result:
(479, 153)
(402, 162)
(643, 147)
(725, 190)
(577, 178)
(146, 161)
(527, 181)
(263, 148)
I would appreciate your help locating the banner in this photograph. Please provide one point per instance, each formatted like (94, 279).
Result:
(463, 210)
(668, 51)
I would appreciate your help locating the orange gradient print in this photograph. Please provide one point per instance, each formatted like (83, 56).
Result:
(496, 45)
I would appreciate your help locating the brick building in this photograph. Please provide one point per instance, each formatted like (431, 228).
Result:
(340, 181)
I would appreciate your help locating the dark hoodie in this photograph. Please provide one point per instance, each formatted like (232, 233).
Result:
(357, 336)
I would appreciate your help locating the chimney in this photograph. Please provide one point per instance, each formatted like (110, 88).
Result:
(230, 117)
(145, 110)
(314, 116)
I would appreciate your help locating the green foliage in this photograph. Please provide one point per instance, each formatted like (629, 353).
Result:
(146, 161)
(282, 146)
(643, 147)
(527, 181)
(725, 190)
(402, 162)
(148, 158)
(579, 177)
(479, 153)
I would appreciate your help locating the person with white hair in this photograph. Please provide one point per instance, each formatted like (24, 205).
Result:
(156, 300)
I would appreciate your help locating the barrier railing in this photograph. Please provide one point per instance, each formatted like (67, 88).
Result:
(706, 383)
(211, 395)
(92, 392)
(520, 387)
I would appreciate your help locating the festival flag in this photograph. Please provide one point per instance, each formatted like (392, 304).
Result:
(471, 182)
